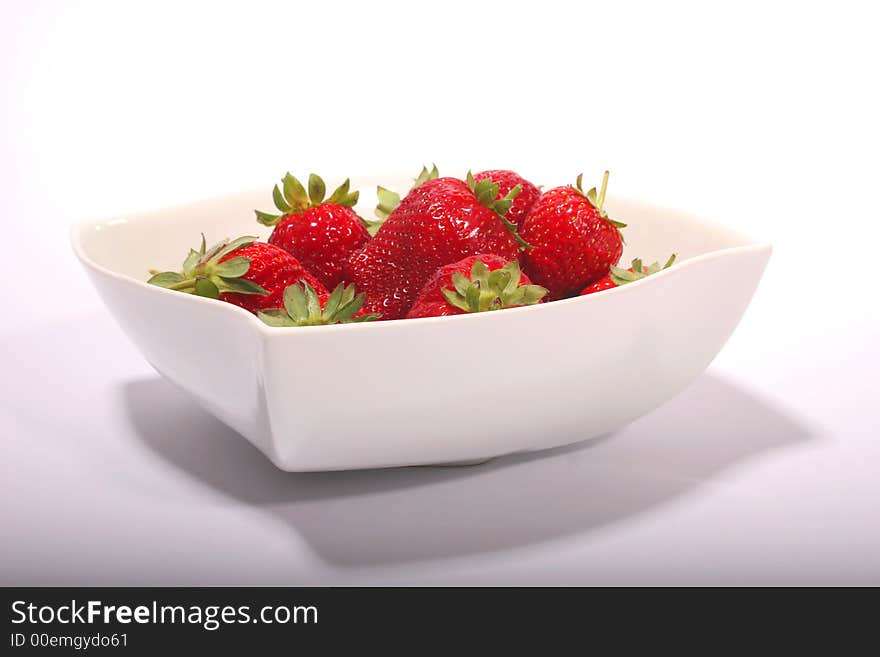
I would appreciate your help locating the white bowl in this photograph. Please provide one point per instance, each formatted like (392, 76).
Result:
(436, 390)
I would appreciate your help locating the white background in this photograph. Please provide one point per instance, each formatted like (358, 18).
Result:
(763, 115)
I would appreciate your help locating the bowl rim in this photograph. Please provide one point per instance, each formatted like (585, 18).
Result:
(79, 229)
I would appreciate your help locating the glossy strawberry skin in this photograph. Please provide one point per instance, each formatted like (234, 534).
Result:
(432, 303)
(433, 309)
(322, 238)
(507, 180)
(273, 269)
(604, 283)
(574, 245)
(437, 223)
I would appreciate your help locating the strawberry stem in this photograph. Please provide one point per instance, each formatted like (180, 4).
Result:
(183, 285)
(513, 230)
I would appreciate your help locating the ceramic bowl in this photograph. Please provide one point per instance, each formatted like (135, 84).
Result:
(427, 391)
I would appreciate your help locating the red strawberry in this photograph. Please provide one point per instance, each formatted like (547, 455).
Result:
(604, 283)
(304, 306)
(440, 221)
(273, 269)
(389, 200)
(619, 276)
(321, 234)
(507, 180)
(243, 272)
(476, 284)
(575, 243)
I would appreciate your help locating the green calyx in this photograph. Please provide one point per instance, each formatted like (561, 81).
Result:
(486, 192)
(303, 308)
(389, 200)
(293, 198)
(204, 275)
(492, 290)
(598, 200)
(621, 276)
(372, 226)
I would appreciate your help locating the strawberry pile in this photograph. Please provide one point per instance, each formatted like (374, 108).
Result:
(490, 241)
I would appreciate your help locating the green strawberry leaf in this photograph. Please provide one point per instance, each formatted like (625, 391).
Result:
(295, 302)
(211, 253)
(275, 317)
(267, 219)
(240, 286)
(461, 283)
(192, 260)
(295, 193)
(532, 294)
(500, 279)
(233, 268)
(457, 300)
(502, 205)
(165, 279)
(515, 274)
(426, 175)
(373, 226)
(317, 189)
(206, 288)
(312, 302)
(388, 201)
(480, 273)
(280, 202)
(472, 298)
(348, 295)
(349, 200)
(339, 193)
(235, 244)
(334, 300)
(348, 309)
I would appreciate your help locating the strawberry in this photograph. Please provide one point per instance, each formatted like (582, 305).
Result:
(507, 180)
(321, 234)
(575, 242)
(440, 221)
(389, 200)
(618, 276)
(604, 283)
(303, 306)
(243, 272)
(475, 284)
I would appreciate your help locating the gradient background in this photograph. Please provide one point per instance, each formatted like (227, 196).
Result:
(763, 115)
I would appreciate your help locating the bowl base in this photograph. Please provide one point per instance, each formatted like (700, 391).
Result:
(459, 464)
